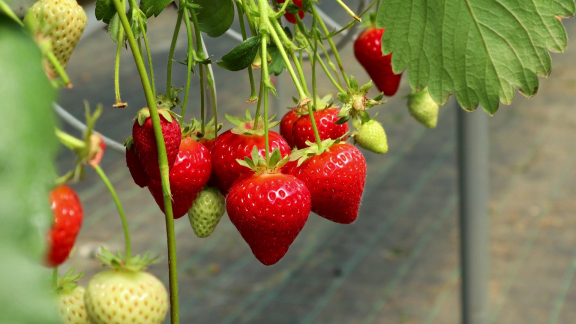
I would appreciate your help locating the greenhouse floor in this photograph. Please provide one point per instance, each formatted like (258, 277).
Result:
(398, 263)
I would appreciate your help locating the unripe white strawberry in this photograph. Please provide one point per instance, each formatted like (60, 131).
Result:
(125, 294)
(371, 136)
(60, 21)
(206, 211)
(423, 108)
(70, 300)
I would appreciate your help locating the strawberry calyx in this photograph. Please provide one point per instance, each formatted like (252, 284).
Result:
(245, 126)
(119, 262)
(260, 165)
(68, 282)
(194, 130)
(306, 153)
(169, 100)
(323, 103)
(144, 114)
(355, 100)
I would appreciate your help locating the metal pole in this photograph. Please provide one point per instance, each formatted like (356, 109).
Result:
(473, 152)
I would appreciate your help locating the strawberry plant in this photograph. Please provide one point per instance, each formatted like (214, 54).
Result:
(268, 182)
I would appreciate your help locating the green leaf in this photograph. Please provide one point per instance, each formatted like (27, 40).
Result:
(154, 7)
(480, 49)
(277, 65)
(105, 10)
(241, 56)
(115, 28)
(26, 169)
(215, 16)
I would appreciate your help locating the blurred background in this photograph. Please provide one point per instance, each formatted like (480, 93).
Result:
(398, 263)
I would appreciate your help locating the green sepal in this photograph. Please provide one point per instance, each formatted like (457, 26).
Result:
(259, 165)
(353, 84)
(119, 262)
(169, 100)
(312, 150)
(68, 281)
(246, 125)
(129, 142)
(194, 129)
(144, 113)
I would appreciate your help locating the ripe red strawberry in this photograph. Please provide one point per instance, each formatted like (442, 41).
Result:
(145, 141)
(68, 216)
(368, 51)
(207, 139)
(136, 170)
(335, 178)
(237, 143)
(187, 177)
(290, 17)
(269, 209)
(286, 124)
(325, 122)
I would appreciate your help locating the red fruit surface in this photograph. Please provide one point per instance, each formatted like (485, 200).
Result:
(136, 170)
(68, 215)
(290, 17)
(188, 176)
(336, 180)
(229, 147)
(286, 124)
(368, 51)
(325, 122)
(145, 144)
(269, 211)
(213, 181)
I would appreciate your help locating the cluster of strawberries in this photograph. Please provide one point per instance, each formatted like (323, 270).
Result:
(268, 199)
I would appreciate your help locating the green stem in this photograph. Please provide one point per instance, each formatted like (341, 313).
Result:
(55, 278)
(173, 47)
(59, 69)
(163, 162)
(4, 7)
(251, 23)
(213, 94)
(285, 39)
(120, 210)
(259, 102)
(351, 23)
(331, 42)
(189, 62)
(266, 22)
(332, 66)
(149, 60)
(202, 99)
(117, 67)
(265, 77)
(315, 95)
(200, 53)
(70, 141)
(244, 37)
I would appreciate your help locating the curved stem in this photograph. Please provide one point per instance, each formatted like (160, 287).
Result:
(120, 210)
(331, 42)
(117, 67)
(173, 47)
(149, 60)
(213, 94)
(244, 37)
(163, 162)
(189, 62)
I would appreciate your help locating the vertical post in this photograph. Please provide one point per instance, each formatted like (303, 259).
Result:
(472, 132)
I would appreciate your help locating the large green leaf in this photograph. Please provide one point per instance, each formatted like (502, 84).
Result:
(215, 16)
(27, 152)
(154, 7)
(241, 56)
(480, 49)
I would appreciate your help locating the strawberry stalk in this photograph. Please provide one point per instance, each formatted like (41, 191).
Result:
(331, 42)
(253, 96)
(348, 10)
(59, 69)
(189, 62)
(120, 210)
(172, 48)
(119, 103)
(259, 100)
(149, 60)
(265, 77)
(210, 81)
(314, 95)
(5, 8)
(246, 10)
(163, 162)
(200, 53)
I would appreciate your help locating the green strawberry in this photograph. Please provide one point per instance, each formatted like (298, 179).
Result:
(60, 21)
(371, 136)
(70, 299)
(423, 108)
(206, 211)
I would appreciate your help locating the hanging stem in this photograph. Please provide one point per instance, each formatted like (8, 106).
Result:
(149, 60)
(173, 46)
(59, 69)
(120, 209)
(117, 70)
(331, 42)
(265, 77)
(259, 102)
(202, 98)
(251, 23)
(213, 94)
(189, 62)
(55, 278)
(200, 53)
(284, 37)
(348, 10)
(252, 97)
(315, 95)
(163, 162)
